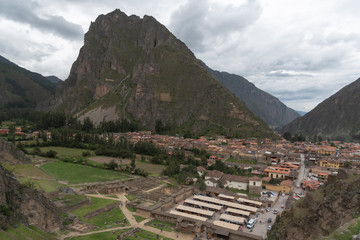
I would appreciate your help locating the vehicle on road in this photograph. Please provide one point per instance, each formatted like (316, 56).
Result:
(269, 227)
(276, 211)
(251, 223)
(268, 209)
(269, 220)
(282, 205)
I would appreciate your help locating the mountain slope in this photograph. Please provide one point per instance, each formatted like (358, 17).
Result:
(337, 117)
(20, 87)
(321, 212)
(136, 69)
(267, 107)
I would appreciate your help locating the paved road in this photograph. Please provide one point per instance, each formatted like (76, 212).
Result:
(302, 174)
(261, 229)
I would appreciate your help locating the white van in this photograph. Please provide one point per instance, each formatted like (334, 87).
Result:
(251, 223)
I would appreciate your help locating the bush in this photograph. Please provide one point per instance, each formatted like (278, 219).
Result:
(51, 154)
(86, 154)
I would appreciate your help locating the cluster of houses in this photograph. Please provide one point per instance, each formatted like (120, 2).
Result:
(21, 133)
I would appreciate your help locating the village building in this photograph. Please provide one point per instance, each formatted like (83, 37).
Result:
(277, 172)
(334, 164)
(234, 181)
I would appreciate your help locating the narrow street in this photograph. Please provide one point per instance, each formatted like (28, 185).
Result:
(302, 175)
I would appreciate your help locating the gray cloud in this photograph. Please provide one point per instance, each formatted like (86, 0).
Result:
(200, 22)
(24, 12)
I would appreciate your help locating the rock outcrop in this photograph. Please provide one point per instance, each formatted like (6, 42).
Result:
(134, 68)
(23, 204)
(9, 153)
(321, 212)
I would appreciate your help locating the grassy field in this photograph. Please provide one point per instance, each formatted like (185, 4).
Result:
(42, 184)
(96, 203)
(139, 218)
(75, 173)
(27, 170)
(110, 219)
(130, 197)
(166, 226)
(63, 151)
(152, 169)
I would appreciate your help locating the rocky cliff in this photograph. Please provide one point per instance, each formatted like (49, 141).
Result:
(337, 117)
(23, 204)
(9, 153)
(270, 109)
(134, 68)
(321, 212)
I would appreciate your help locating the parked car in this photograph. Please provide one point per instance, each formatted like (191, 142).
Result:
(269, 227)
(276, 211)
(251, 223)
(282, 205)
(269, 220)
(268, 209)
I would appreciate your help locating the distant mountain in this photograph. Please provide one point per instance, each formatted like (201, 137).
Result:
(53, 79)
(20, 87)
(337, 117)
(267, 107)
(301, 113)
(136, 69)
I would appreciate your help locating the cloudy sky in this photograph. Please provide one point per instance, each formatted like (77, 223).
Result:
(299, 51)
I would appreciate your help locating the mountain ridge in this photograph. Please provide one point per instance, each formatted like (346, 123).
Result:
(337, 117)
(267, 107)
(20, 87)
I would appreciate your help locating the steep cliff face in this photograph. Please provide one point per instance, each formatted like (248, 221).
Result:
(321, 212)
(270, 109)
(337, 117)
(21, 204)
(134, 68)
(9, 153)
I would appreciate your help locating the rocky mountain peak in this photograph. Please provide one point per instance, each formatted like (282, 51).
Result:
(134, 68)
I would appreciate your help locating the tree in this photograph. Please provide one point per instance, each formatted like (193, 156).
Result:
(87, 125)
(132, 164)
(347, 164)
(202, 185)
(112, 165)
(287, 136)
(51, 154)
(158, 126)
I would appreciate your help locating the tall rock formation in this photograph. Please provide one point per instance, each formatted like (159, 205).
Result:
(270, 109)
(134, 68)
(337, 117)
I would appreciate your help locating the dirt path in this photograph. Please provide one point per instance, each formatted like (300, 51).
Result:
(132, 221)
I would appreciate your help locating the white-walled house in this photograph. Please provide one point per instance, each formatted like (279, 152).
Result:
(234, 181)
